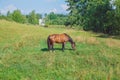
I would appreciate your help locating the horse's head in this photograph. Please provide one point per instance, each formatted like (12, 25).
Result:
(73, 45)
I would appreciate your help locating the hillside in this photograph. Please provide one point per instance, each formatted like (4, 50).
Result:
(24, 55)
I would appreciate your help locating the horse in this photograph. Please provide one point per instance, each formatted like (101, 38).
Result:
(59, 38)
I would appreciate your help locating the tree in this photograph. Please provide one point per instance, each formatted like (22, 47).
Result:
(73, 12)
(39, 16)
(33, 18)
(18, 17)
(94, 15)
(9, 16)
(55, 19)
(114, 18)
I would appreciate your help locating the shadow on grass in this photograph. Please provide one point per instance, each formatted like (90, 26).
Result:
(108, 36)
(44, 49)
(103, 36)
(56, 49)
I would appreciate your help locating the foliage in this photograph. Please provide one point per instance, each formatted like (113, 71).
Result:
(9, 16)
(115, 18)
(55, 19)
(98, 16)
(17, 16)
(32, 18)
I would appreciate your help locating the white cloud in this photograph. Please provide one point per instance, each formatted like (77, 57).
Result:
(10, 8)
(64, 6)
(50, 0)
(53, 10)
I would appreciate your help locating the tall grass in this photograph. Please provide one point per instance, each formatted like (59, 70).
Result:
(24, 55)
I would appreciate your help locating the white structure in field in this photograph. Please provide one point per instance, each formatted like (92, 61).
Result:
(41, 22)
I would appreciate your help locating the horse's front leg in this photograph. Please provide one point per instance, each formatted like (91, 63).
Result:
(63, 46)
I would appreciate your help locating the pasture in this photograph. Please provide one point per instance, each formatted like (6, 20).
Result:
(24, 54)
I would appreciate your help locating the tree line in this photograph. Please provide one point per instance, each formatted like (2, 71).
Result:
(96, 15)
(17, 16)
(55, 19)
(33, 17)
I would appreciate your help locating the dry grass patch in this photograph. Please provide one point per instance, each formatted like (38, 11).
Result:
(112, 43)
(80, 39)
(90, 40)
(18, 45)
(6, 46)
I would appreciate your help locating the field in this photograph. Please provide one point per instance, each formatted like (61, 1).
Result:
(24, 54)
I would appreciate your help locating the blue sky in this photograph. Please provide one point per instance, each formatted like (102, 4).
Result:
(40, 6)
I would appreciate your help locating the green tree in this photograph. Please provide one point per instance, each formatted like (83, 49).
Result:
(117, 17)
(33, 18)
(95, 15)
(9, 16)
(73, 12)
(55, 19)
(18, 17)
(39, 16)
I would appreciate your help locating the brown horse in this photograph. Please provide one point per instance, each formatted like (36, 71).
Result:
(59, 38)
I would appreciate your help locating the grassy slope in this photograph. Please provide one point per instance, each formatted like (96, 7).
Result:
(24, 55)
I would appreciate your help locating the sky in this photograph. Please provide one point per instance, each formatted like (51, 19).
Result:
(40, 6)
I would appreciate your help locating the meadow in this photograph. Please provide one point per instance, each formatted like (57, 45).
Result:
(24, 54)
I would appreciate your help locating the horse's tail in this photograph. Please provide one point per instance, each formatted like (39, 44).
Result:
(48, 42)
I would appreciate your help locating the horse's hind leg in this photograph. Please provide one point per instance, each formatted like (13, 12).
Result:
(48, 48)
(52, 47)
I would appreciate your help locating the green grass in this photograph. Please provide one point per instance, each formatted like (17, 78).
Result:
(24, 55)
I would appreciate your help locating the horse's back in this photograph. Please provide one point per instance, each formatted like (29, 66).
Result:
(58, 38)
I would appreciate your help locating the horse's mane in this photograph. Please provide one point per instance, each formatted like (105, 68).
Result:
(70, 39)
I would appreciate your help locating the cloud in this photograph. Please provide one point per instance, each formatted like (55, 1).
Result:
(64, 6)
(10, 8)
(53, 10)
(50, 0)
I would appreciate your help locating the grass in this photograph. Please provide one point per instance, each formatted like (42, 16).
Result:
(24, 55)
